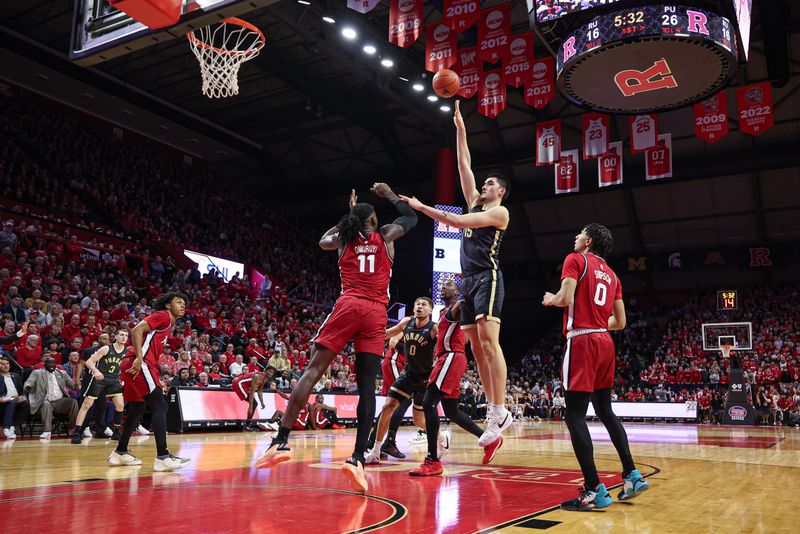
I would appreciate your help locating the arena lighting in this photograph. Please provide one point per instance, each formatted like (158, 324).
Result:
(304, 2)
(329, 20)
(432, 98)
(386, 62)
(404, 79)
(349, 33)
(445, 108)
(418, 87)
(369, 49)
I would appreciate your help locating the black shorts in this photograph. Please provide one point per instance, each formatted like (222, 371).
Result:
(483, 297)
(108, 387)
(409, 387)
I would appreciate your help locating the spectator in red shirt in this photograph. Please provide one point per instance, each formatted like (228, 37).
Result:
(30, 353)
(73, 328)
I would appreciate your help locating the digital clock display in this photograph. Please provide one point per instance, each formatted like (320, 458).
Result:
(727, 300)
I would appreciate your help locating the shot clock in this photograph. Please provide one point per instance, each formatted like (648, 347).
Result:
(727, 300)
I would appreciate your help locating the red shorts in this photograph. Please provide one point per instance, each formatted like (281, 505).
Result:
(362, 320)
(588, 363)
(240, 390)
(301, 423)
(391, 370)
(447, 373)
(320, 421)
(135, 388)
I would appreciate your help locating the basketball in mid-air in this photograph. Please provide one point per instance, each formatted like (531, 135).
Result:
(446, 83)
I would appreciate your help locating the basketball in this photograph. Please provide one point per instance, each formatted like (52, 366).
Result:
(446, 83)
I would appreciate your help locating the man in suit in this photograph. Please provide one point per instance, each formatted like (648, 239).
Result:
(12, 405)
(15, 309)
(48, 395)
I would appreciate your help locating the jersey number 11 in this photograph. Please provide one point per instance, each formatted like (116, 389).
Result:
(363, 260)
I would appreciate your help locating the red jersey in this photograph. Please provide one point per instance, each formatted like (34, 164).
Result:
(241, 385)
(156, 339)
(598, 287)
(451, 337)
(366, 268)
(396, 360)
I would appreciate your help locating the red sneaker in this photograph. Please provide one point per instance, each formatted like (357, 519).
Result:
(490, 450)
(427, 469)
(337, 427)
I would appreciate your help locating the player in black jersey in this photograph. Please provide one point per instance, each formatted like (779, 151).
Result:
(419, 342)
(482, 286)
(104, 366)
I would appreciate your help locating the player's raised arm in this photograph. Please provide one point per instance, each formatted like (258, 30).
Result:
(330, 239)
(496, 217)
(404, 223)
(398, 328)
(471, 194)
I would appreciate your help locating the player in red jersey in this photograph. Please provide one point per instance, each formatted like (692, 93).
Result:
(394, 361)
(246, 386)
(365, 258)
(142, 382)
(591, 295)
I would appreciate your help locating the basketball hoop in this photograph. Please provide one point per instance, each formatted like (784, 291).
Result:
(726, 350)
(221, 48)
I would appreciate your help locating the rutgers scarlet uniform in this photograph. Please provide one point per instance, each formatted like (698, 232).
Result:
(451, 362)
(241, 386)
(393, 364)
(135, 388)
(658, 160)
(589, 354)
(360, 311)
(566, 174)
(301, 423)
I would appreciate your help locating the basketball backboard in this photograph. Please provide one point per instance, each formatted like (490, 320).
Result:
(101, 32)
(738, 335)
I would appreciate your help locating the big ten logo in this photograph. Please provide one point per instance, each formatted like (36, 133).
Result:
(441, 33)
(438, 253)
(539, 70)
(518, 46)
(759, 257)
(407, 5)
(494, 19)
(492, 81)
(637, 264)
(632, 82)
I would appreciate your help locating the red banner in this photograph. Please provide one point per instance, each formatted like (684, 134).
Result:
(658, 160)
(362, 6)
(517, 63)
(755, 108)
(644, 132)
(491, 93)
(540, 86)
(461, 14)
(494, 30)
(467, 69)
(405, 21)
(566, 172)
(595, 135)
(548, 142)
(440, 47)
(609, 166)
(711, 118)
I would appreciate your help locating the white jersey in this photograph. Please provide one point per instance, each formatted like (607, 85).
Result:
(643, 133)
(547, 146)
(595, 140)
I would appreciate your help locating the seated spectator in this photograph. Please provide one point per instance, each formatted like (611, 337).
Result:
(13, 406)
(237, 367)
(202, 380)
(182, 379)
(167, 361)
(31, 353)
(49, 395)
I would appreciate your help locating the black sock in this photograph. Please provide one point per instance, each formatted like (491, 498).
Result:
(390, 436)
(158, 408)
(602, 405)
(371, 439)
(282, 437)
(460, 418)
(397, 419)
(577, 405)
(367, 368)
(429, 403)
(117, 419)
(135, 411)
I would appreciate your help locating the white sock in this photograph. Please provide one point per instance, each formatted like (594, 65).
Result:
(376, 449)
(495, 409)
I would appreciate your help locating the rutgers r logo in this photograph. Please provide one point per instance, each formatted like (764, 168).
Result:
(632, 82)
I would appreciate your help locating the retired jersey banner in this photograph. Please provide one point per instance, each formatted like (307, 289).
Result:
(494, 31)
(440, 47)
(362, 6)
(517, 63)
(461, 14)
(467, 69)
(755, 108)
(644, 132)
(405, 21)
(658, 160)
(711, 118)
(548, 142)
(609, 166)
(566, 172)
(595, 135)
(540, 87)
(491, 93)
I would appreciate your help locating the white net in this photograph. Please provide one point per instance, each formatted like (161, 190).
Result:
(221, 48)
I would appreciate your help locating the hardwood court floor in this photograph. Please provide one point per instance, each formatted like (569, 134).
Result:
(704, 479)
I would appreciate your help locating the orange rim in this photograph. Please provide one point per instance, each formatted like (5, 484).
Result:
(235, 21)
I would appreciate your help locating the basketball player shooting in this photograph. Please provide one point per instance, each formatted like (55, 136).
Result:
(591, 295)
(482, 286)
(366, 253)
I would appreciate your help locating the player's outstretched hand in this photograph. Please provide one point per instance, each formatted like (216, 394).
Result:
(381, 189)
(458, 119)
(353, 198)
(412, 201)
(548, 299)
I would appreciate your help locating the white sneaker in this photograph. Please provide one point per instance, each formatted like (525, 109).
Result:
(126, 458)
(170, 463)
(268, 427)
(108, 432)
(443, 444)
(372, 458)
(45, 435)
(419, 439)
(495, 427)
(13, 433)
(142, 431)
(87, 433)
(7, 433)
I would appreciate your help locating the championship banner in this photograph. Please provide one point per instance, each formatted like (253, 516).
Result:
(517, 63)
(405, 21)
(461, 14)
(440, 47)
(494, 30)
(711, 118)
(491, 93)
(548, 142)
(644, 132)
(540, 86)
(755, 108)
(467, 69)
(595, 135)
(609, 166)
(566, 172)
(362, 6)
(658, 160)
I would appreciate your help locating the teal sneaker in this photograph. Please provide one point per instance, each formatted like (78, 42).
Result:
(632, 486)
(589, 500)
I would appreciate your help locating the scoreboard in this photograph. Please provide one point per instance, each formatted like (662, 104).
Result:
(727, 300)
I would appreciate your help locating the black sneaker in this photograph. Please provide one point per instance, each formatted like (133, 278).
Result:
(385, 456)
(391, 449)
(115, 435)
(76, 437)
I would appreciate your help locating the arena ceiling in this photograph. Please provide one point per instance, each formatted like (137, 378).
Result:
(316, 116)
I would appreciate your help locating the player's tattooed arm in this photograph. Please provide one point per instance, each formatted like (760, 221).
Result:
(330, 239)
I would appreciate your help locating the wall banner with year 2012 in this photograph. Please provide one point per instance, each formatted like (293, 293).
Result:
(494, 32)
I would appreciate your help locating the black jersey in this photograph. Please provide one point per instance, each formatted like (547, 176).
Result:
(480, 248)
(109, 364)
(418, 346)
